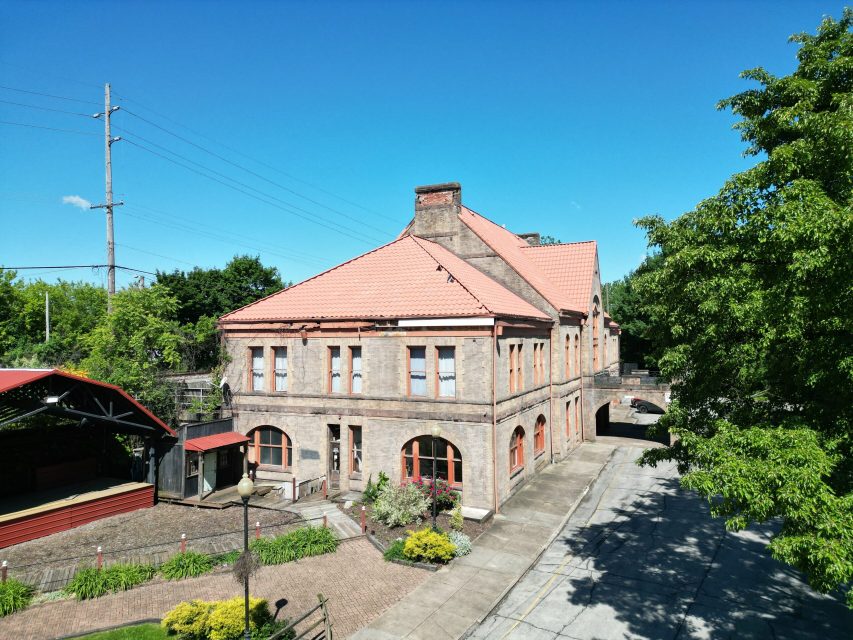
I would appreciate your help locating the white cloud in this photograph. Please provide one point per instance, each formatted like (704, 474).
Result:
(76, 201)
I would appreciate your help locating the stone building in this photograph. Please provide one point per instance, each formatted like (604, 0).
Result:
(458, 323)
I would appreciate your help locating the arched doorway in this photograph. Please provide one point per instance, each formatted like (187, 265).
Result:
(418, 455)
(602, 419)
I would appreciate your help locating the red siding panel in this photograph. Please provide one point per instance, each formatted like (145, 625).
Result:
(64, 518)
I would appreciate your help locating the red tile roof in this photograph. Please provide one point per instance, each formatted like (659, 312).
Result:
(407, 278)
(14, 378)
(562, 274)
(216, 441)
(569, 266)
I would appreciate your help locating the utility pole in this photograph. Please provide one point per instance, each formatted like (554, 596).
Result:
(111, 249)
(46, 316)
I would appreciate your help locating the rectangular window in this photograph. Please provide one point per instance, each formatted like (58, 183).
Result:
(577, 419)
(536, 348)
(334, 369)
(417, 371)
(355, 370)
(257, 368)
(355, 463)
(512, 368)
(192, 464)
(280, 368)
(542, 370)
(568, 358)
(446, 372)
(569, 419)
(519, 371)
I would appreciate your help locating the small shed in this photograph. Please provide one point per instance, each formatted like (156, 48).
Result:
(207, 457)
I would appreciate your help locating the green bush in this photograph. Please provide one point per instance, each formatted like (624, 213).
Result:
(399, 506)
(190, 564)
(427, 545)
(395, 550)
(371, 491)
(457, 522)
(461, 542)
(91, 583)
(220, 620)
(229, 557)
(14, 596)
(299, 543)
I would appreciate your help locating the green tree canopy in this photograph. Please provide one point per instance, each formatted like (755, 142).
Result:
(751, 311)
(213, 292)
(137, 343)
(626, 306)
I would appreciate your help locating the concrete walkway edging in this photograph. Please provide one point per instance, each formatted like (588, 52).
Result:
(542, 549)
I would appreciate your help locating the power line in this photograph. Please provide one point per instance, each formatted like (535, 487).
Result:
(33, 106)
(260, 162)
(35, 126)
(77, 266)
(228, 240)
(151, 253)
(335, 228)
(48, 95)
(254, 173)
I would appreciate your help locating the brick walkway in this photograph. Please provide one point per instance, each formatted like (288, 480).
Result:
(358, 582)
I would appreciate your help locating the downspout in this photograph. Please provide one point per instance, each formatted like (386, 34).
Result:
(583, 402)
(551, 391)
(495, 416)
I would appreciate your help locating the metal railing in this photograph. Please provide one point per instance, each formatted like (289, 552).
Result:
(325, 621)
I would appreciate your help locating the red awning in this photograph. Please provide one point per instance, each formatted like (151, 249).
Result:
(216, 441)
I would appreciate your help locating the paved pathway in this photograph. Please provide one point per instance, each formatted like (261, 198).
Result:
(454, 598)
(357, 581)
(313, 512)
(640, 558)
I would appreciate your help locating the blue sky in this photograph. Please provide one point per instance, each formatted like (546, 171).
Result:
(567, 118)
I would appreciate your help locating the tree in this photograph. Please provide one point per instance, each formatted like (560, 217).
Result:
(751, 305)
(626, 306)
(214, 292)
(136, 344)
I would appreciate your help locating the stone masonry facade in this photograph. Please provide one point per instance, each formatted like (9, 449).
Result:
(479, 421)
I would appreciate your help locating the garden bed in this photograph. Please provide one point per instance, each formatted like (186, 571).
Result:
(386, 535)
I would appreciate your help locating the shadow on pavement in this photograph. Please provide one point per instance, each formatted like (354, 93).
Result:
(660, 567)
(631, 431)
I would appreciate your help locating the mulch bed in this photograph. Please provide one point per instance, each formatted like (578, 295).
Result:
(143, 533)
(387, 535)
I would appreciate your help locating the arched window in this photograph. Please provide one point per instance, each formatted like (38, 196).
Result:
(577, 354)
(270, 448)
(568, 358)
(539, 436)
(516, 450)
(596, 314)
(418, 456)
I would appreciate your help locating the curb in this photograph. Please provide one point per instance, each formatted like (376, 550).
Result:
(542, 549)
(112, 628)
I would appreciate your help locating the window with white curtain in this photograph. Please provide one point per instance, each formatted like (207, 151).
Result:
(417, 371)
(447, 372)
(257, 368)
(355, 370)
(281, 368)
(335, 369)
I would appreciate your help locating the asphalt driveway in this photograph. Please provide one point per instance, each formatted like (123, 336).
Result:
(640, 558)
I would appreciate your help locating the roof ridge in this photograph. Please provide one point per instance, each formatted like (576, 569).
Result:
(455, 279)
(315, 276)
(492, 222)
(559, 244)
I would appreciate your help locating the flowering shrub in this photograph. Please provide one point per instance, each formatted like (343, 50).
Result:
(221, 620)
(457, 522)
(445, 497)
(461, 542)
(427, 545)
(398, 506)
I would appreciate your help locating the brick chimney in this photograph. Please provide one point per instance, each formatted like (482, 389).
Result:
(533, 239)
(437, 213)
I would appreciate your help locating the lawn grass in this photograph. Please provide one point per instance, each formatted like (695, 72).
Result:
(149, 631)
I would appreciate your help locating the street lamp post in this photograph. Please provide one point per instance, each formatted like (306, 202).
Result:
(245, 488)
(436, 434)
